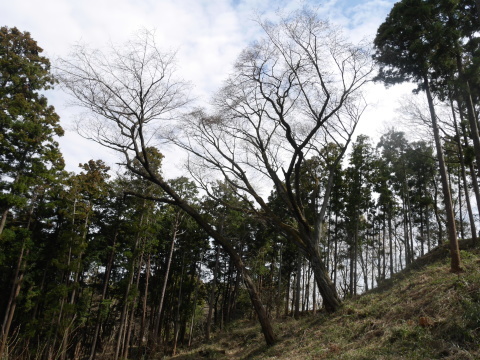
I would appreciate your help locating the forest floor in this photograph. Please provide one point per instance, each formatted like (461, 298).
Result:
(423, 312)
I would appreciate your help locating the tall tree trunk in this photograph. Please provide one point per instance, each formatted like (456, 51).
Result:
(384, 255)
(467, 98)
(131, 321)
(279, 282)
(355, 256)
(410, 226)
(455, 265)
(464, 175)
(76, 277)
(211, 301)
(17, 281)
(12, 301)
(397, 246)
(298, 288)
(351, 255)
(123, 323)
(473, 174)
(364, 265)
(156, 328)
(331, 301)
(143, 322)
(177, 312)
(390, 243)
(259, 309)
(406, 238)
(195, 299)
(437, 215)
(3, 221)
(422, 232)
(429, 240)
(287, 295)
(460, 206)
(335, 253)
(106, 280)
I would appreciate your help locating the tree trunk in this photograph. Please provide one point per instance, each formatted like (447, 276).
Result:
(331, 301)
(156, 328)
(390, 243)
(120, 344)
(408, 257)
(429, 241)
(17, 281)
(335, 253)
(131, 321)
(260, 309)
(464, 175)
(472, 119)
(475, 185)
(195, 298)
(355, 256)
(298, 287)
(143, 321)
(384, 247)
(208, 325)
(12, 301)
(452, 234)
(314, 297)
(437, 215)
(287, 294)
(177, 312)
(3, 221)
(106, 279)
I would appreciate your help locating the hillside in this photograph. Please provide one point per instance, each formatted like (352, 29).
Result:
(424, 312)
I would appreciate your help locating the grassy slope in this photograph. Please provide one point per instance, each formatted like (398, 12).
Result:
(424, 312)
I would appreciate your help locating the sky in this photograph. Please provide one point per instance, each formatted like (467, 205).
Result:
(208, 35)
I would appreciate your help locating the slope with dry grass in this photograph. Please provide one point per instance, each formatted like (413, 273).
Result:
(424, 312)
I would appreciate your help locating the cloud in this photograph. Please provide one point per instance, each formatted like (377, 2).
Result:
(207, 34)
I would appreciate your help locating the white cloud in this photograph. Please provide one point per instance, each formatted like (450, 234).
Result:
(208, 34)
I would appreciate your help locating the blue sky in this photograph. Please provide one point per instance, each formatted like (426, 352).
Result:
(208, 35)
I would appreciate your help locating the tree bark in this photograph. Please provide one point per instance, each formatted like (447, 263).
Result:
(16, 281)
(455, 265)
(106, 279)
(464, 176)
(331, 301)
(472, 119)
(156, 328)
(195, 298)
(298, 287)
(143, 322)
(473, 175)
(177, 312)
(208, 325)
(3, 221)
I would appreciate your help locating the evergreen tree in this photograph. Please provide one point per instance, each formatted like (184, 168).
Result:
(405, 50)
(29, 155)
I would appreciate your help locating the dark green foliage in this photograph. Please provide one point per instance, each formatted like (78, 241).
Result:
(28, 125)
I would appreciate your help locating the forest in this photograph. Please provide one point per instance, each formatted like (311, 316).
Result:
(283, 210)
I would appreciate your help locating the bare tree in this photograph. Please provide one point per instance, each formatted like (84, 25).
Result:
(128, 92)
(291, 95)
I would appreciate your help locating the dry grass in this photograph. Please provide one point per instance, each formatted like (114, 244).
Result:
(425, 312)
